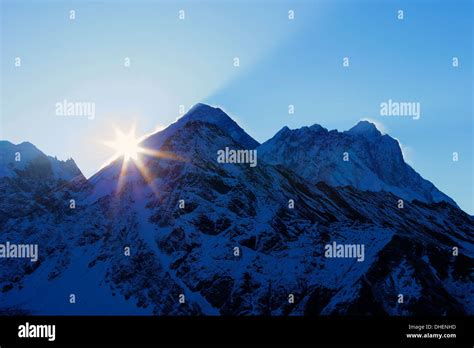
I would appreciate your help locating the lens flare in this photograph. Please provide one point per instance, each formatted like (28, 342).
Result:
(125, 145)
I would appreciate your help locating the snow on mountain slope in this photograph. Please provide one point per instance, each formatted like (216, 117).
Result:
(28, 178)
(361, 157)
(204, 113)
(184, 220)
(105, 180)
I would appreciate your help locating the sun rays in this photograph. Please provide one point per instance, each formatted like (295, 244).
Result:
(127, 146)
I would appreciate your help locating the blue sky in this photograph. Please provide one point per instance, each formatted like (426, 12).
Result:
(282, 62)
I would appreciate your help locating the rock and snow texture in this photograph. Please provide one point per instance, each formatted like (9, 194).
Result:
(183, 222)
(16, 160)
(373, 161)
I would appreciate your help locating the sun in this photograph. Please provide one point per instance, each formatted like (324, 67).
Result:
(125, 144)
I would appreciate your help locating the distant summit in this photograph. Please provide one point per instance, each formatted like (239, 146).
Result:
(365, 128)
(25, 157)
(207, 114)
(361, 157)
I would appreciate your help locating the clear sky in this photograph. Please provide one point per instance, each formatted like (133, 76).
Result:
(181, 62)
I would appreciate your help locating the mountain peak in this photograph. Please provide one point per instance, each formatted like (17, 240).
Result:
(216, 116)
(317, 128)
(206, 113)
(376, 161)
(283, 131)
(203, 106)
(365, 128)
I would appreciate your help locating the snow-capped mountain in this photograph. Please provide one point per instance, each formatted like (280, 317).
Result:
(178, 233)
(204, 113)
(16, 160)
(28, 176)
(361, 157)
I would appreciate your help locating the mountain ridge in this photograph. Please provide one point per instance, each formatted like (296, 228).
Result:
(331, 173)
(231, 239)
(362, 157)
(17, 157)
